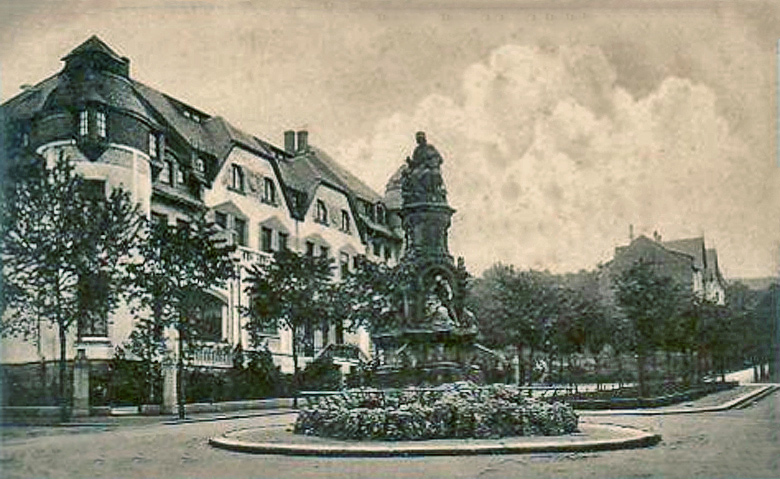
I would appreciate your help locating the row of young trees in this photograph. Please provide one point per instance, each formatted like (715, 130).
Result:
(559, 316)
(71, 255)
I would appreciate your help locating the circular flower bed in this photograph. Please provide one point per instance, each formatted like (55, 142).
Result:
(458, 410)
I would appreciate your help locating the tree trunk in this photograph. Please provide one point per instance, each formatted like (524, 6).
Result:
(596, 371)
(180, 374)
(669, 373)
(64, 400)
(641, 357)
(531, 366)
(295, 367)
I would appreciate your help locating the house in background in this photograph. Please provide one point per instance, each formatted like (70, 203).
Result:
(687, 261)
(178, 161)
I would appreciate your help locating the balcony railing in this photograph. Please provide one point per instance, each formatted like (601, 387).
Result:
(248, 257)
(212, 356)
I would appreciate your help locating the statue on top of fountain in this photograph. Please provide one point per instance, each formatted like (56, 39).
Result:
(421, 181)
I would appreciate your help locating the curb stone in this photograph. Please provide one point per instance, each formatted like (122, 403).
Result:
(629, 438)
(753, 395)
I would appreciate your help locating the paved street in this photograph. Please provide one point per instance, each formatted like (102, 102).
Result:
(737, 443)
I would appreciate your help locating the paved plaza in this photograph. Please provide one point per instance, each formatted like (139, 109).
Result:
(727, 444)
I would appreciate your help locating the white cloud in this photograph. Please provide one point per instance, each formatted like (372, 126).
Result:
(548, 162)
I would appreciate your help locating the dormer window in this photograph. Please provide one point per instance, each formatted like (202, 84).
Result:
(380, 214)
(269, 191)
(321, 213)
(237, 178)
(100, 123)
(83, 123)
(200, 165)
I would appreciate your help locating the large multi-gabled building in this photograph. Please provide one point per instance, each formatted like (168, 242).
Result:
(687, 261)
(178, 161)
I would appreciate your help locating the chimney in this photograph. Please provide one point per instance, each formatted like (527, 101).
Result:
(630, 233)
(289, 141)
(303, 140)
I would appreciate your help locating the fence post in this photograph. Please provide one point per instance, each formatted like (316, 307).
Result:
(81, 384)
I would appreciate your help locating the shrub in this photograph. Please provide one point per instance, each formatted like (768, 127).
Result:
(458, 410)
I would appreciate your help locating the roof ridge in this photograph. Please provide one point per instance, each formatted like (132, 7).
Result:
(93, 44)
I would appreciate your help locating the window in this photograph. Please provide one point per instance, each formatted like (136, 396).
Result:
(221, 219)
(209, 320)
(269, 191)
(266, 234)
(83, 123)
(159, 218)
(152, 145)
(200, 165)
(94, 190)
(237, 178)
(179, 175)
(339, 333)
(324, 251)
(380, 214)
(345, 221)
(308, 340)
(355, 262)
(388, 253)
(283, 241)
(377, 248)
(321, 213)
(92, 293)
(368, 209)
(165, 174)
(344, 263)
(309, 248)
(239, 230)
(100, 123)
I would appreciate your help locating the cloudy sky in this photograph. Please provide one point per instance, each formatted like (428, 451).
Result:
(559, 127)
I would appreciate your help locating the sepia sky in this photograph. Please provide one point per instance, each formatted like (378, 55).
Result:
(559, 126)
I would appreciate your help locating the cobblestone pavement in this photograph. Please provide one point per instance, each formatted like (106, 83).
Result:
(736, 443)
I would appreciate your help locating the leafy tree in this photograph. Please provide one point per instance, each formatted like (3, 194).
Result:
(64, 248)
(147, 344)
(293, 292)
(647, 300)
(370, 296)
(179, 267)
(516, 308)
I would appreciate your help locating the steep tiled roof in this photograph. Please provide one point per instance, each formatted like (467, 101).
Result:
(27, 103)
(210, 134)
(693, 247)
(335, 173)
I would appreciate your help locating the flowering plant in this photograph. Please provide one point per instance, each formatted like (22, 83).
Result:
(457, 410)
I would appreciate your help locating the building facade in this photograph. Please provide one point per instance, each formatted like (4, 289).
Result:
(687, 261)
(178, 161)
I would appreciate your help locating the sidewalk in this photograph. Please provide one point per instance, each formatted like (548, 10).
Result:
(758, 391)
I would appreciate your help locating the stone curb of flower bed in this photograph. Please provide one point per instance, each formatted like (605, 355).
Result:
(625, 438)
(757, 394)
